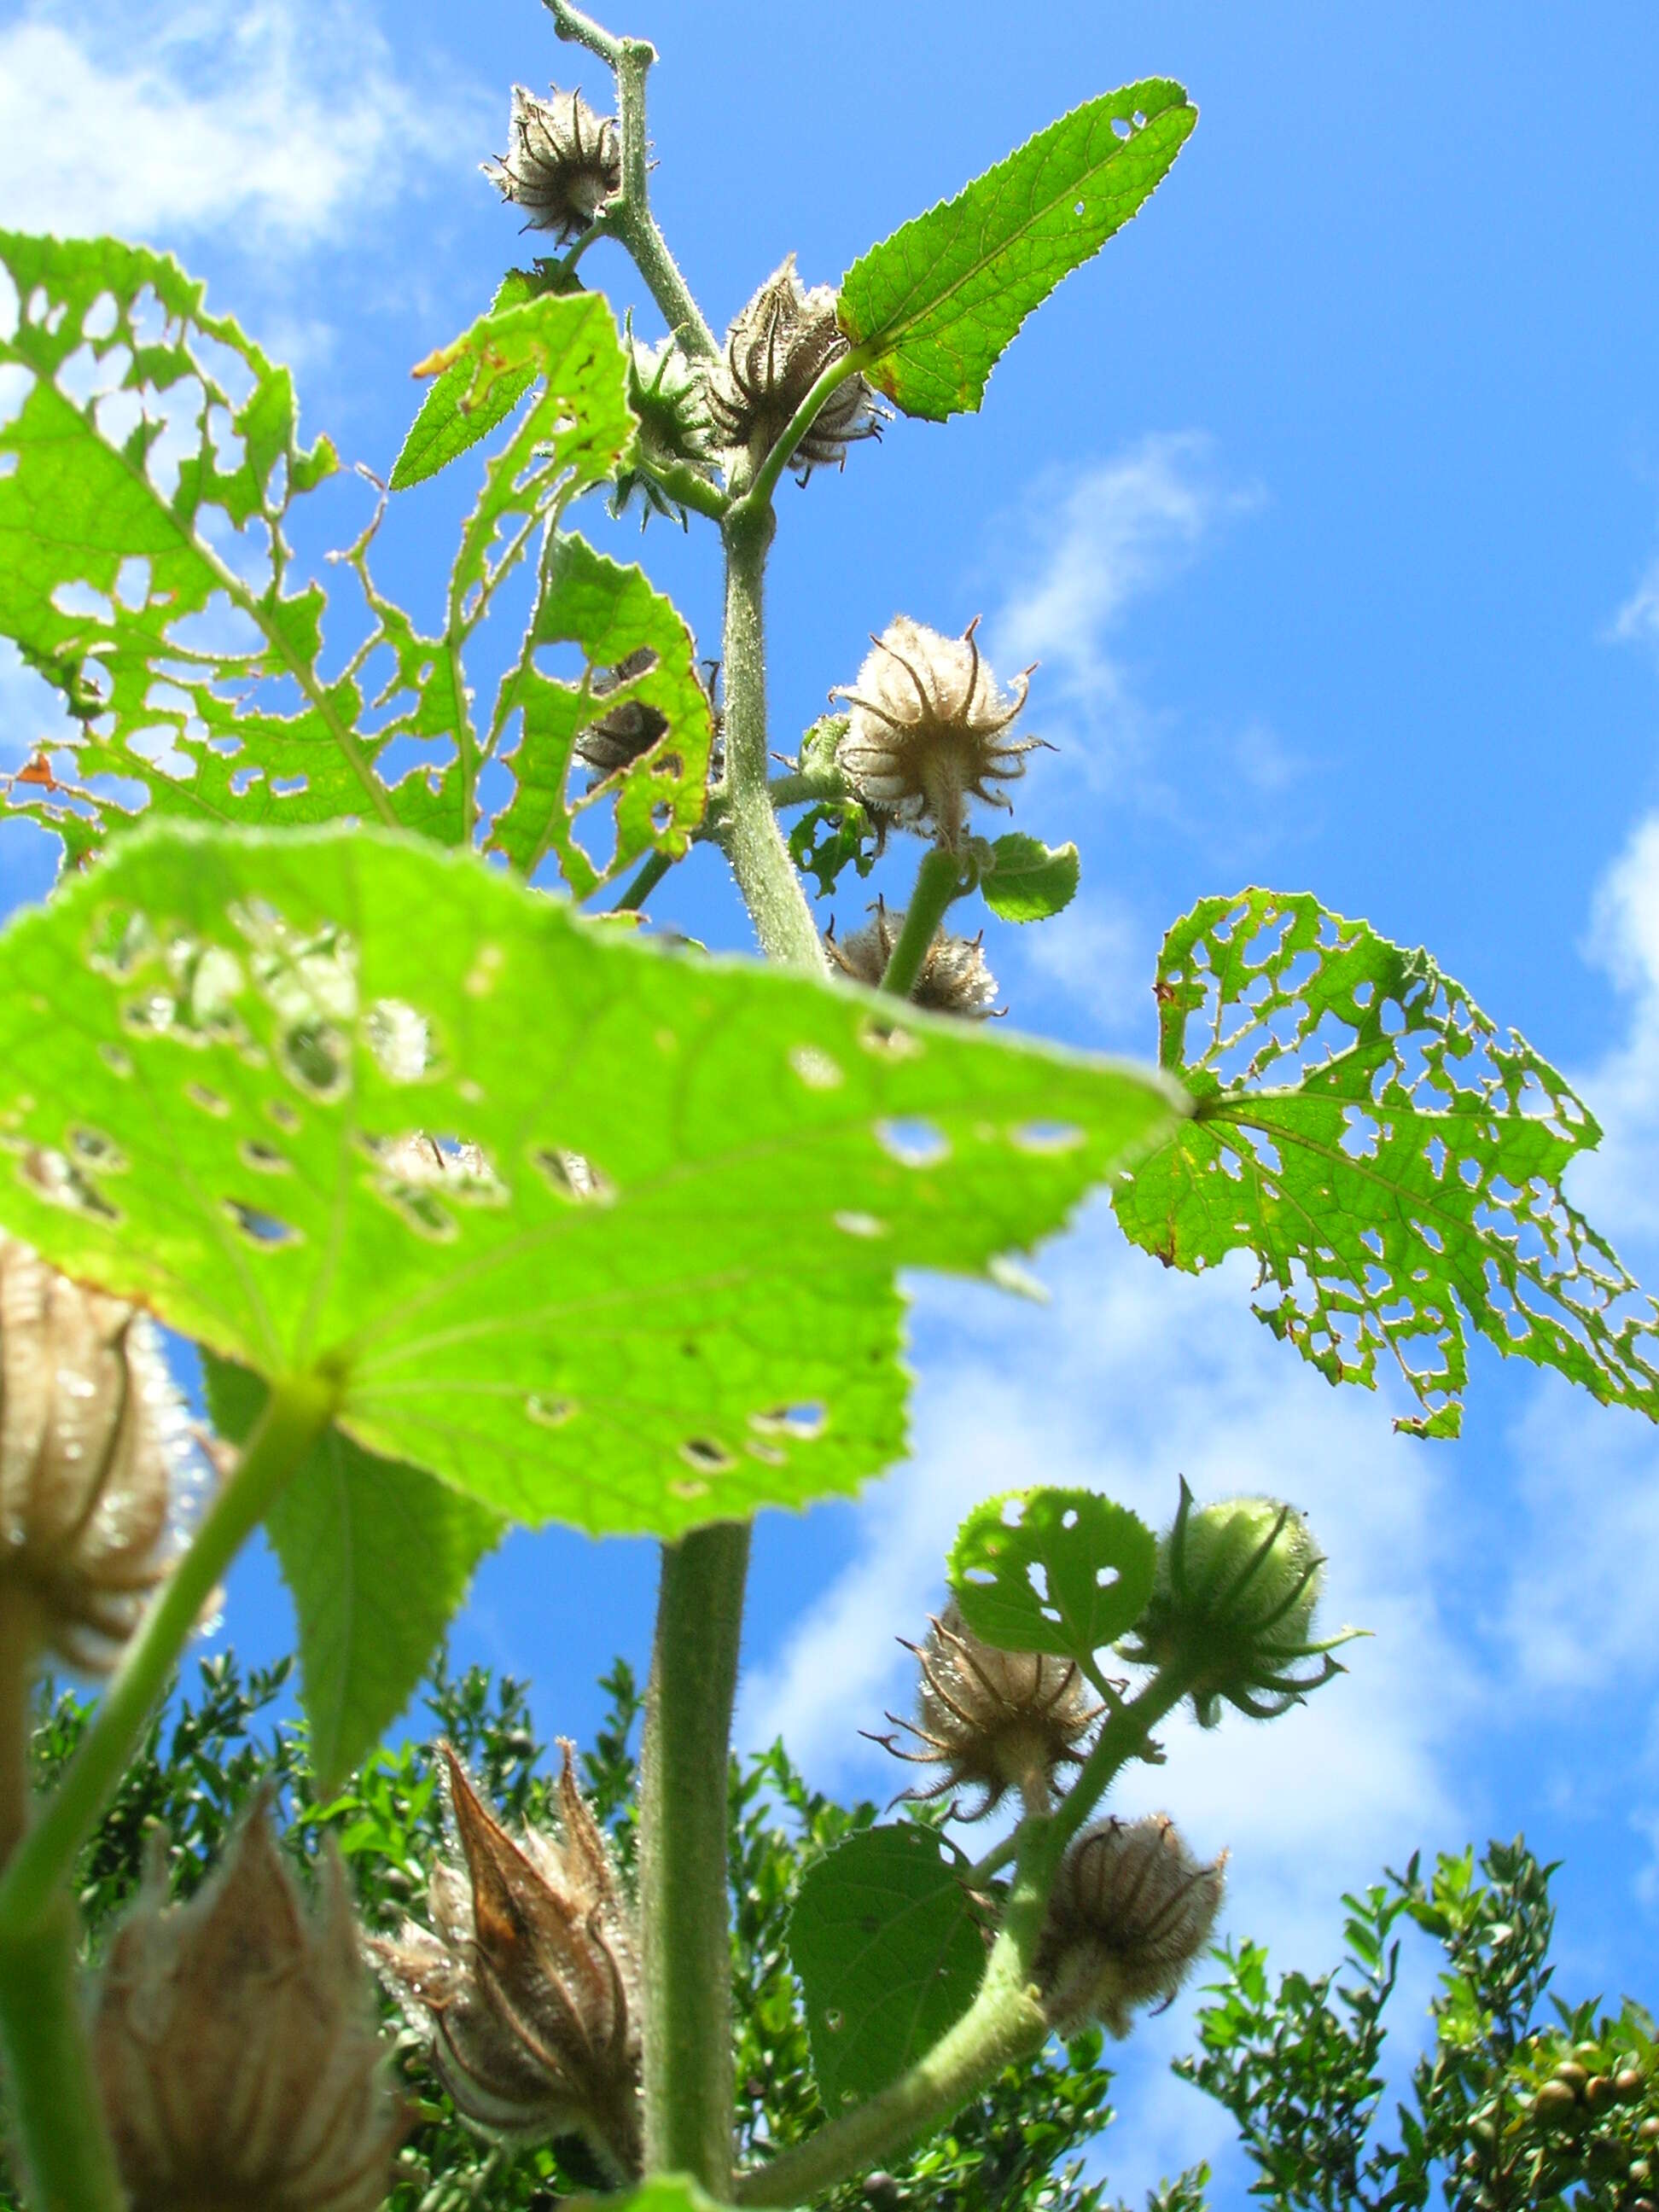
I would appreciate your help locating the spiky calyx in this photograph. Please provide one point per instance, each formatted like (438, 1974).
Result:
(955, 977)
(91, 1443)
(528, 1982)
(563, 164)
(994, 1720)
(236, 2048)
(929, 729)
(775, 352)
(1131, 1909)
(1232, 1607)
(669, 397)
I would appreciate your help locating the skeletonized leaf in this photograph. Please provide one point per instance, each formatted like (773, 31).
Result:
(934, 307)
(1394, 1162)
(639, 1272)
(1066, 1572)
(1029, 880)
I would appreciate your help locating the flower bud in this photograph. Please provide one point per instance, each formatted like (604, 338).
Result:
(954, 979)
(1232, 1607)
(928, 728)
(669, 397)
(528, 1982)
(91, 1436)
(775, 352)
(994, 1720)
(1132, 1909)
(565, 162)
(235, 2044)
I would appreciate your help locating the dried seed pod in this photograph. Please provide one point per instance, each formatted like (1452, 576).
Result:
(775, 352)
(955, 978)
(994, 1720)
(236, 2048)
(528, 1982)
(91, 1446)
(564, 163)
(630, 729)
(1132, 1909)
(929, 728)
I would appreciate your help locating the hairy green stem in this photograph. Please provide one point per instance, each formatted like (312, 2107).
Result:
(582, 31)
(684, 1909)
(20, 1648)
(297, 1412)
(650, 875)
(760, 858)
(56, 2110)
(938, 881)
(757, 493)
(684, 483)
(802, 787)
(631, 220)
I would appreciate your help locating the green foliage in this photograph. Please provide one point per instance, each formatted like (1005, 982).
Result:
(887, 1943)
(828, 839)
(1028, 880)
(933, 308)
(449, 424)
(661, 1292)
(1066, 1572)
(1394, 1165)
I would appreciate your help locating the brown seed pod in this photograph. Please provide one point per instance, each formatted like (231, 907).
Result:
(1132, 1909)
(994, 1721)
(235, 2044)
(528, 1982)
(564, 163)
(91, 1444)
(955, 977)
(775, 352)
(619, 738)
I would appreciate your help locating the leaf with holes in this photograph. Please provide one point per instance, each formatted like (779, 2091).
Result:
(147, 472)
(1066, 1572)
(378, 1557)
(934, 307)
(449, 424)
(1394, 1162)
(657, 766)
(1028, 880)
(889, 1954)
(593, 1231)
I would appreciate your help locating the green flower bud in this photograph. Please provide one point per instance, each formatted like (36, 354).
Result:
(669, 397)
(1232, 1607)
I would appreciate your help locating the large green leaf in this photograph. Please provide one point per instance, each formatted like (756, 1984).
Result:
(933, 308)
(215, 1051)
(1393, 1162)
(889, 1954)
(1066, 1572)
(378, 1556)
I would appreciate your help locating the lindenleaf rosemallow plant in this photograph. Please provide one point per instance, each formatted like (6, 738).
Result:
(483, 1213)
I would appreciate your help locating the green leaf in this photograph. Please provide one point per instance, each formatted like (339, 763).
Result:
(216, 1051)
(890, 1954)
(1029, 880)
(378, 1556)
(664, 2192)
(448, 424)
(1394, 1162)
(589, 600)
(1066, 1572)
(933, 308)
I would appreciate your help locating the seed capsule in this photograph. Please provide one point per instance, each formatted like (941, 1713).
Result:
(775, 352)
(955, 976)
(529, 1985)
(565, 162)
(1131, 1911)
(236, 2048)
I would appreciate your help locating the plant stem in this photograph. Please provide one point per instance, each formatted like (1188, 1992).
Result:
(631, 220)
(683, 1907)
(582, 31)
(55, 2105)
(299, 1409)
(760, 858)
(19, 1646)
(758, 494)
(938, 881)
(650, 875)
(799, 788)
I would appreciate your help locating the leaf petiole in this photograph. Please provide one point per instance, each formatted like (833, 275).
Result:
(941, 880)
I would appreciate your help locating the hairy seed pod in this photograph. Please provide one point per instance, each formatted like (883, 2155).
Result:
(775, 352)
(527, 1981)
(564, 163)
(1132, 1909)
(994, 1720)
(630, 729)
(955, 978)
(236, 2048)
(91, 1443)
(929, 728)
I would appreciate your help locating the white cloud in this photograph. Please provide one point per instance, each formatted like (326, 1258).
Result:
(1095, 958)
(277, 122)
(1619, 1183)
(1636, 622)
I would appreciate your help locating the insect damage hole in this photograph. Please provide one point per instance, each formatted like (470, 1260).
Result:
(265, 1230)
(705, 1455)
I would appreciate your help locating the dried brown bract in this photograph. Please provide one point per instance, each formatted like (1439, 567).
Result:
(1131, 1911)
(527, 1980)
(564, 163)
(775, 352)
(994, 1720)
(236, 2048)
(91, 1439)
(955, 977)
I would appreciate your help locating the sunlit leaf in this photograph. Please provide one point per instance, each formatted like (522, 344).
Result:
(1029, 881)
(449, 424)
(1066, 1572)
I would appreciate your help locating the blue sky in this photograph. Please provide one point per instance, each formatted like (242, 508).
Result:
(1328, 497)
